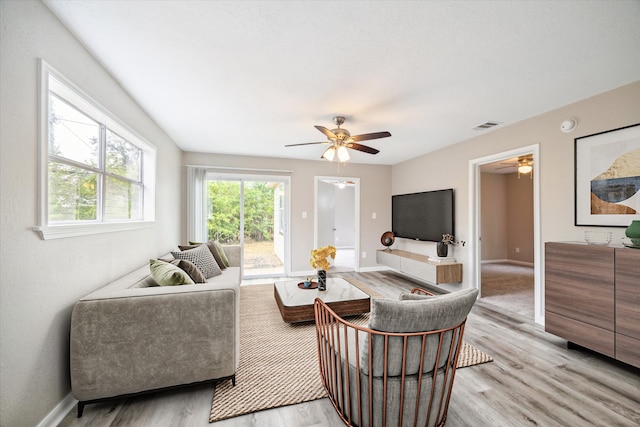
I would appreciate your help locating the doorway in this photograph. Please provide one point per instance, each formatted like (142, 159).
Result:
(476, 227)
(336, 219)
(250, 211)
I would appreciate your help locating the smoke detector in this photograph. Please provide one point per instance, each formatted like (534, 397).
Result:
(568, 125)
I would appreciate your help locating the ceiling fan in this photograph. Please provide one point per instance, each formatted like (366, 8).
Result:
(524, 164)
(340, 139)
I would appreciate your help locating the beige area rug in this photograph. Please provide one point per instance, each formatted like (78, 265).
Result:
(278, 361)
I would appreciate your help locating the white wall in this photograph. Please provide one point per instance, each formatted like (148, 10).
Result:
(375, 196)
(449, 167)
(40, 280)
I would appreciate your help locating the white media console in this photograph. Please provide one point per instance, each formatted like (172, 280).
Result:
(420, 266)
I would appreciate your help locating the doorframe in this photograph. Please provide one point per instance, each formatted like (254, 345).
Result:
(475, 226)
(356, 213)
(241, 178)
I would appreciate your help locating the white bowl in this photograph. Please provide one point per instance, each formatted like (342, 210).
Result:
(600, 238)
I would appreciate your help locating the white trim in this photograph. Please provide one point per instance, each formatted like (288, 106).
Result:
(75, 230)
(377, 268)
(58, 413)
(51, 80)
(474, 221)
(507, 261)
(231, 168)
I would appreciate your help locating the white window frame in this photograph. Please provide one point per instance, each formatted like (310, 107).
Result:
(50, 79)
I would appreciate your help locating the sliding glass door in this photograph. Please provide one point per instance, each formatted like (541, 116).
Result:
(252, 212)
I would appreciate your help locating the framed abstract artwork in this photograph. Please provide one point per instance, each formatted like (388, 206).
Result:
(607, 178)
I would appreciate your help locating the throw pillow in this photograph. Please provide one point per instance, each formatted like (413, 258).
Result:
(212, 248)
(167, 274)
(191, 269)
(203, 259)
(222, 254)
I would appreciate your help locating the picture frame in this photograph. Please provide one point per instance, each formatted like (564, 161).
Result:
(607, 177)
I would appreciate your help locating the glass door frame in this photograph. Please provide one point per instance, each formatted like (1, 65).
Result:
(212, 175)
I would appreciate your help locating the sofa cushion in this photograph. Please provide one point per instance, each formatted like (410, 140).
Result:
(203, 259)
(212, 248)
(167, 274)
(191, 269)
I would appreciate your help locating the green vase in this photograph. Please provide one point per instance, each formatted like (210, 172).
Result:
(633, 232)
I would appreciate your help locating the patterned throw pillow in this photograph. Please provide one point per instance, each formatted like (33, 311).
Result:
(203, 259)
(167, 274)
(191, 269)
(212, 248)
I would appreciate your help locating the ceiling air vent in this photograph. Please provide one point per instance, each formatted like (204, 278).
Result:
(486, 125)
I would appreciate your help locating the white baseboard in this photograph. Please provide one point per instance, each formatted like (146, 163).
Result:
(58, 413)
(376, 268)
(508, 261)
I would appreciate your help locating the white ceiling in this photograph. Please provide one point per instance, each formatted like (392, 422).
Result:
(245, 77)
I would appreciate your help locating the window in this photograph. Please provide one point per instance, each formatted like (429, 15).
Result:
(96, 175)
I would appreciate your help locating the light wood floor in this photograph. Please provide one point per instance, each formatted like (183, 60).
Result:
(533, 381)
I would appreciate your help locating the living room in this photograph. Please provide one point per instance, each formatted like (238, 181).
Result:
(42, 279)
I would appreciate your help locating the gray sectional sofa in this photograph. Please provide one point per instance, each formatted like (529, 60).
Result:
(132, 336)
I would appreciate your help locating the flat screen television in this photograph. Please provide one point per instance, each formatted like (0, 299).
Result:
(423, 216)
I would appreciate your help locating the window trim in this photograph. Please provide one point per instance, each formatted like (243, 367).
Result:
(62, 230)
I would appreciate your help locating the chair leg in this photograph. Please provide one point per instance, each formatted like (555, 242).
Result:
(233, 380)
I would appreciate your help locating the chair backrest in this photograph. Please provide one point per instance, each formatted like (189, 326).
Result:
(400, 369)
(414, 313)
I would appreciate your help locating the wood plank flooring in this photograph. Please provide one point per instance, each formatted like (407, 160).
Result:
(534, 380)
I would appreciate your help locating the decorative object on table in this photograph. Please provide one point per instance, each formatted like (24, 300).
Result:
(442, 249)
(387, 240)
(607, 177)
(322, 280)
(599, 238)
(319, 260)
(308, 285)
(633, 233)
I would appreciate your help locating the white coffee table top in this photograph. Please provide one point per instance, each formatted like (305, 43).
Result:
(338, 289)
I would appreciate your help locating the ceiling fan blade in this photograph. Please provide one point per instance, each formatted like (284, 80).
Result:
(368, 136)
(306, 143)
(327, 132)
(506, 167)
(362, 148)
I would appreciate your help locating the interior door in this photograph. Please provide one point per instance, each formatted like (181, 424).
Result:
(337, 202)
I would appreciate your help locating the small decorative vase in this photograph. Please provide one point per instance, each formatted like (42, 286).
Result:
(633, 232)
(322, 280)
(442, 249)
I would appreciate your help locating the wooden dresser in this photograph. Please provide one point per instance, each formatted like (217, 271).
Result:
(592, 297)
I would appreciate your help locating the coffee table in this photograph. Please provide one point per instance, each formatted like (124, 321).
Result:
(296, 304)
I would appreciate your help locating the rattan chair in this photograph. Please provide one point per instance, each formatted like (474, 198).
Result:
(380, 375)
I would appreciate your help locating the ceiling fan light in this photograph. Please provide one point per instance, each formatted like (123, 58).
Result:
(343, 154)
(525, 168)
(329, 154)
